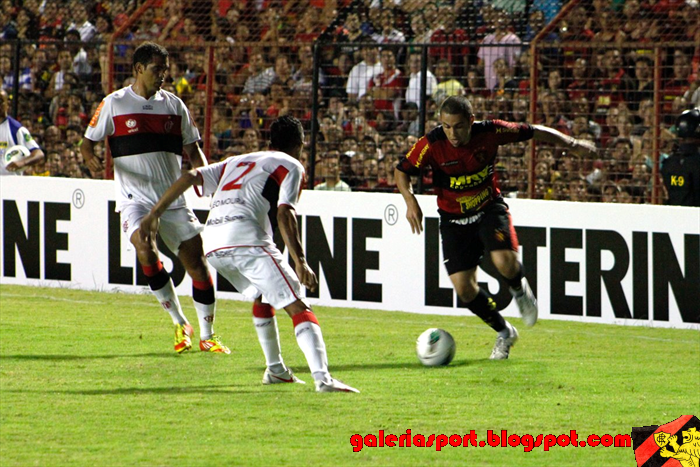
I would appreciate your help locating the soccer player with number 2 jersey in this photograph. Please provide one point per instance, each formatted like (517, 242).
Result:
(252, 193)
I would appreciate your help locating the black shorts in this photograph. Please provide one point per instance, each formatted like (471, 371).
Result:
(465, 240)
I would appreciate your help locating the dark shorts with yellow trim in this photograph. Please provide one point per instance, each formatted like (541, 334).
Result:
(464, 241)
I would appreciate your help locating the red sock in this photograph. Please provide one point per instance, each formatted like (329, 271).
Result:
(151, 270)
(263, 310)
(306, 315)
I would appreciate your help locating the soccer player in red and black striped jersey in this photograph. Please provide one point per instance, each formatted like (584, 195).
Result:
(147, 130)
(473, 216)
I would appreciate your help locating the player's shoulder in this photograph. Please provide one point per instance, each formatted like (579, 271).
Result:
(169, 96)
(119, 94)
(435, 135)
(495, 126)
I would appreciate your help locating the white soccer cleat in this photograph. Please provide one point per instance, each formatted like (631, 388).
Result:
(281, 378)
(501, 349)
(333, 386)
(527, 303)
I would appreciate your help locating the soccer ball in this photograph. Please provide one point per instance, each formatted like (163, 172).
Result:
(435, 347)
(14, 154)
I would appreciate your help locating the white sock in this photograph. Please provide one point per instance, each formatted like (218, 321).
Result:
(310, 341)
(170, 303)
(507, 332)
(269, 338)
(205, 314)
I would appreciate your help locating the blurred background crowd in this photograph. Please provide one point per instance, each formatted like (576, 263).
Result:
(616, 72)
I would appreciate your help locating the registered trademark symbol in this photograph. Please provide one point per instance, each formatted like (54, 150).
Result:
(391, 214)
(78, 198)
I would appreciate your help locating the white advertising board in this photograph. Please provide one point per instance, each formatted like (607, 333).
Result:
(593, 262)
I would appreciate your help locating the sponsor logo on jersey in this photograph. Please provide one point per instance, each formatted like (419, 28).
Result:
(420, 156)
(468, 203)
(448, 164)
(147, 107)
(462, 182)
(227, 201)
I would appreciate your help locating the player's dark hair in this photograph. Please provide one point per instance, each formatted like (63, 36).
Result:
(146, 52)
(457, 105)
(286, 133)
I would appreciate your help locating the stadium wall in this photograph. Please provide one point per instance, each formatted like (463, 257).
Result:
(599, 263)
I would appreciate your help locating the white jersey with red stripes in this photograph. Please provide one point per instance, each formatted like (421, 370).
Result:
(246, 192)
(145, 137)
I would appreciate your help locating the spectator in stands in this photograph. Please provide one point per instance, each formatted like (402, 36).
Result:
(410, 120)
(50, 25)
(387, 32)
(259, 76)
(448, 84)
(27, 25)
(282, 71)
(610, 30)
(502, 43)
(362, 73)
(420, 32)
(147, 29)
(386, 87)
(330, 169)
(448, 31)
(351, 33)
(308, 27)
(506, 86)
(413, 92)
(303, 76)
(581, 83)
(81, 22)
(678, 84)
(475, 85)
(615, 87)
(643, 84)
(81, 66)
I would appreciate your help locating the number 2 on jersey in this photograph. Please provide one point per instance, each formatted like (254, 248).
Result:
(237, 182)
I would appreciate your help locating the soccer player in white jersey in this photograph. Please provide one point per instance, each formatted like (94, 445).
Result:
(250, 193)
(13, 133)
(147, 130)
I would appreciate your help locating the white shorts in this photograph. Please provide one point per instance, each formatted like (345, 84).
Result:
(258, 270)
(176, 225)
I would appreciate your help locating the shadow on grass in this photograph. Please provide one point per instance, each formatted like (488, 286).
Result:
(219, 389)
(414, 365)
(61, 357)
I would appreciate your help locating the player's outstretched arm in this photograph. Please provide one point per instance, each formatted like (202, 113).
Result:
(577, 146)
(287, 222)
(87, 150)
(196, 155)
(414, 214)
(149, 224)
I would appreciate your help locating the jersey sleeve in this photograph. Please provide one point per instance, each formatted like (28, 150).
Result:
(101, 124)
(290, 177)
(190, 133)
(510, 132)
(26, 139)
(416, 157)
(211, 176)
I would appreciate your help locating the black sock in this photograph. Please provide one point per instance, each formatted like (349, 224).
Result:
(516, 282)
(158, 281)
(484, 307)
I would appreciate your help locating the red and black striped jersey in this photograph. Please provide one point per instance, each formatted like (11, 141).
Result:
(463, 177)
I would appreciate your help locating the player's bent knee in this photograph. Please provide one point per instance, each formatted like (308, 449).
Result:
(296, 308)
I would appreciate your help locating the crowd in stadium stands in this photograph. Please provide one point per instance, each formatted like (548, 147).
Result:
(370, 94)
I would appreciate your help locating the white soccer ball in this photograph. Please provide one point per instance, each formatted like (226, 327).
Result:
(435, 347)
(14, 154)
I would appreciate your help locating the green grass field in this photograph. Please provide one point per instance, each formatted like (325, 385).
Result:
(90, 379)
